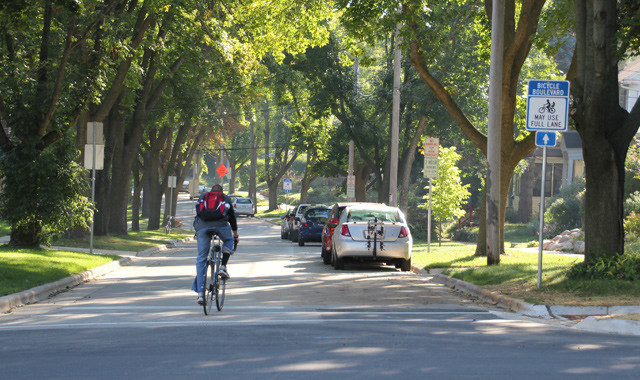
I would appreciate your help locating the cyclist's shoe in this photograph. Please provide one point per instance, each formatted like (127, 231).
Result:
(223, 273)
(200, 299)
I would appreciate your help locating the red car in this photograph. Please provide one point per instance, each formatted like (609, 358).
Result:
(330, 225)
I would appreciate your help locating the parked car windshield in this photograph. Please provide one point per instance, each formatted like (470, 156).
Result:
(318, 215)
(368, 214)
(244, 201)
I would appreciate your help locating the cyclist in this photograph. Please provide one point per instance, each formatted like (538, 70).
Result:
(226, 228)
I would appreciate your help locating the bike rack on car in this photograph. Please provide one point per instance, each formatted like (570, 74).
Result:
(373, 231)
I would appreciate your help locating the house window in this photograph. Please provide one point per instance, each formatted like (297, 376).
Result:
(552, 179)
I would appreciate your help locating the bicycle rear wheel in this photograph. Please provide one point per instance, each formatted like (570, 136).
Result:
(220, 288)
(209, 287)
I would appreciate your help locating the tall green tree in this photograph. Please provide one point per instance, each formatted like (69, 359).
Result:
(431, 30)
(44, 85)
(448, 192)
(606, 32)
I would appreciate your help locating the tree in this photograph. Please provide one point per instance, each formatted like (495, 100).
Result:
(448, 193)
(605, 32)
(430, 32)
(44, 83)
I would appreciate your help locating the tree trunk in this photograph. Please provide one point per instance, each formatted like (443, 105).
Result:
(408, 159)
(135, 199)
(525, 211)
(605, 129)
(362, 173)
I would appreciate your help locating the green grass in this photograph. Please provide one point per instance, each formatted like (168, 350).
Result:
(133, 242)
(517, 275)
(5, 228)
(22, 269)
(274, 215)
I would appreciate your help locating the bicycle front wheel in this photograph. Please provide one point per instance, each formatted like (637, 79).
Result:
(220, 288)
(209, 287)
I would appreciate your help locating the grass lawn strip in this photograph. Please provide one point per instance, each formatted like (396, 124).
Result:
(22, 269)
(516, 276)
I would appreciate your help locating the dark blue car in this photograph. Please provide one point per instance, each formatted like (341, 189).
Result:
(312, 223)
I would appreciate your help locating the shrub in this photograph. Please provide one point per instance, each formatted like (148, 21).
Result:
(563, 214)
(465, 234)
(632, 204)
(566, 210)
(620, 267)
(632, 225)
(511, 215)
(418, 223)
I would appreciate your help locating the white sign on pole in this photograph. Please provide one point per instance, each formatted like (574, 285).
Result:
(351, 186)
(431, 152)
(547, 105)
(88, 157)
(287, 184)
(171, 182)
(94, 127)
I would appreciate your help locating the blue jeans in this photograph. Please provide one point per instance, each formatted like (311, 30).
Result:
(204, 243)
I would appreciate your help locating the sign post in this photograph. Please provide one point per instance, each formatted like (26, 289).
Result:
(171, 183)
(351, 187)
(547, 113)
(93, 160)
(431, 152)
(287, 185)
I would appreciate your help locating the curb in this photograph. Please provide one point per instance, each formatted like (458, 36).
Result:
(591, 322)
(41, 292)
(503, 301)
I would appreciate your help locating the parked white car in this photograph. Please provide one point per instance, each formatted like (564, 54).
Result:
(243, 206)
(372, 233)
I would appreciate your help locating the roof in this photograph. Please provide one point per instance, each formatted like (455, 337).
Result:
(630, 72)
(572, 140)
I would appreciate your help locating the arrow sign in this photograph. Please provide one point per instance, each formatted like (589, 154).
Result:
(545, 138)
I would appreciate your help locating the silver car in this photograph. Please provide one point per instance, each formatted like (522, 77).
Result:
(243, 206)
(372, 233)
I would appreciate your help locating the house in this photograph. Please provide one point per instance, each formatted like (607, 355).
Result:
(629, 80)
(564, 165)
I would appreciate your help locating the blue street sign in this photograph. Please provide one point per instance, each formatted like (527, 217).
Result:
(547, 105)
(545, 138)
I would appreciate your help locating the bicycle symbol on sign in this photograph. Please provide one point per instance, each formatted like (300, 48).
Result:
(550, 107)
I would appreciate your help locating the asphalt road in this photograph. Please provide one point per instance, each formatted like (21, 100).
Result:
(287, 315)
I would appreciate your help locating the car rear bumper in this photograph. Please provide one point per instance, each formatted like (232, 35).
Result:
(311, 235)
(359, 249)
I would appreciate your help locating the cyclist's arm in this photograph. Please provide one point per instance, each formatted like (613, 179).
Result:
(231, 217)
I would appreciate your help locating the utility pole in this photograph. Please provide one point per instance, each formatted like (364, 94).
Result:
(254, 163)
(494, 130)
(395, 122)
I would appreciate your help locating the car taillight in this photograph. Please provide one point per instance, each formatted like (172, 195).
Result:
(304, 224)
(345, 230)
(404, 232)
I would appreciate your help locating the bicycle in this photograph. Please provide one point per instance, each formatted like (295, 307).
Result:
(214, 284)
